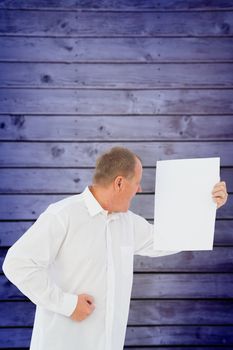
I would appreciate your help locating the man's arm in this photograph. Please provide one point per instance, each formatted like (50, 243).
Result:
(143, 238)
(27, 262)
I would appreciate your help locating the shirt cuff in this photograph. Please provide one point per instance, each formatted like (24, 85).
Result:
(69, 304)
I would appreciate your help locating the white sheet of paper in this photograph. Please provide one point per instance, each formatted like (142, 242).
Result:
(184, 212)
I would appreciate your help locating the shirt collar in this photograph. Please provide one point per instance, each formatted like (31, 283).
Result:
(94, 206)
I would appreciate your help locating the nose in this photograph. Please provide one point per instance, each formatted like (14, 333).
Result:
(139, 189)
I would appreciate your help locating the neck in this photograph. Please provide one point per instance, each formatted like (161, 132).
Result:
(103, 196)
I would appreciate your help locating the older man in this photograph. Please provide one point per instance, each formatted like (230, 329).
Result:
(76, 261)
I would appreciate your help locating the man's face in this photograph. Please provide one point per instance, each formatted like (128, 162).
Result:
(130, 188)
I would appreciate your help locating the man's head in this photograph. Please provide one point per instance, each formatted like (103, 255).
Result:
(117, 176)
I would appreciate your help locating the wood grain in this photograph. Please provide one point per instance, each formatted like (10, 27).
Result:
(26, 49)
(136, 5)
(182, 285)
(116, 128)
(157, 335)
(149, 76)
(180, 335)
(116, 102)
(143, 24)
(78, 77)
(84, 154)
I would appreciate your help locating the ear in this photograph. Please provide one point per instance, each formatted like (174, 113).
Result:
(118, 183)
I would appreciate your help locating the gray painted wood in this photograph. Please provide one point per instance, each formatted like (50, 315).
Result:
(217, 260)
(178, 347)
(136, 5)
(182, 312)
(16, 49)
(103, 100)
(182, 285)
(65, 23)
(116, 128)
(115, 102)
(180, 335)
(12, 230)
(115, 75)
(54, 181)
(28, 207)
(84, 154)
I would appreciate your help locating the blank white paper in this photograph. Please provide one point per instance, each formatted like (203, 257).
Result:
(184, 212)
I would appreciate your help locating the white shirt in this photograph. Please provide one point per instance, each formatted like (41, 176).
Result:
(76, 247)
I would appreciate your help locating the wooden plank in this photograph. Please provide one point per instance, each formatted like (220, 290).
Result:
(142, 312)
(157, 335)
(48, 180)
(23, 315)
(120, 5)
(115, 102)
(119, 49)
(74, 24)
(28, 207)
(9, 291)
(149, 76)
(176, 348)
(116, 128)
(182, 285)
(159, 285)
(84, 154)
(144, 205)
(71, 180)
(180, 335)
(11, 231)
(15, 338)
(182, 312)
(218, 260)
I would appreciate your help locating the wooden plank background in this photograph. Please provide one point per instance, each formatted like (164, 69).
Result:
(78, 77)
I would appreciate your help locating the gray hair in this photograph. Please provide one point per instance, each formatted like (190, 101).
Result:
(117, 161)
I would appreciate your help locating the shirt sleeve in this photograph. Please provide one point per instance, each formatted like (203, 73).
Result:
(143, 238)
(27, 264)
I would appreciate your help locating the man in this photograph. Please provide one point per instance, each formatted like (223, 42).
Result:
(76, 261)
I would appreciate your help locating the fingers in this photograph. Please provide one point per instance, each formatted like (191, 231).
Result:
(219, 190)
(91, 308)
(219, 186)
(219, 193)
(84, 308)
(89, 298)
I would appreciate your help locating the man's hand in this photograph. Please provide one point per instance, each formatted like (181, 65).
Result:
(219, 193)
(85, 306)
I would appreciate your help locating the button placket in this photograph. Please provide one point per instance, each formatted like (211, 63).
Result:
(110, 287)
